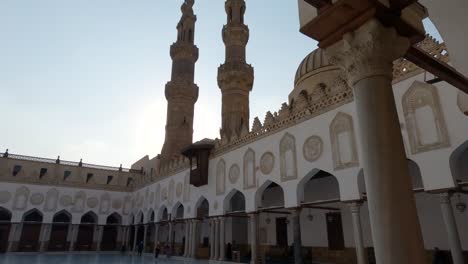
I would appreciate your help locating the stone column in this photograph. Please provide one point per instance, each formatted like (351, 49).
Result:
(195, 240)
(296, 225)
(156, 236)
(186, 236)
(357, 227)
(98, 231)
(212, 235)
(135, 236)
(216, 238)
(451, 227)
(171, 236)
(367, 56)
(254, 237)
(73, 236)
(44, 237)
(189, 239)
(14, 236)
(145, 237)
(222, 238)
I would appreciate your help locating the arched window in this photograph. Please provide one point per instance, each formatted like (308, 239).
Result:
(343, 142)
(250, 178)
(288, 159)
(221, 177)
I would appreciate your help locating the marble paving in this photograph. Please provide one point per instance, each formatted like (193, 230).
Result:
(91, 259)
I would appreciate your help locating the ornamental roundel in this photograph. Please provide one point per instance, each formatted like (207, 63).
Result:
(234, 173)
(92, 202)
(66, 200)
(267, 162)
(116, 204)
(5, 197)
(37, 199)
(179, 188)
(313, 148)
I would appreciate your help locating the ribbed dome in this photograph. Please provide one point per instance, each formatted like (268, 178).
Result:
(315, 60)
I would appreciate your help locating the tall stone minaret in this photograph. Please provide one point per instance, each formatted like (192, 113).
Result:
(235, 76)
(181, 92)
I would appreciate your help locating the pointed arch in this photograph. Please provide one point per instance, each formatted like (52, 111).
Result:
(114, 219)
(163, 214)
(150, 216)
(459, 162)
(89, 218)
(5, 215)
(178, 211)
(62, 216)
(270, 194)
(33, 215)
(234, 201)
(202, 207)
(318, 185)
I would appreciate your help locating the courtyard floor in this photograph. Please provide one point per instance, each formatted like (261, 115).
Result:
(91, 259)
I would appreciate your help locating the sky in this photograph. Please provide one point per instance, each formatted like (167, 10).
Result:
(85, 79)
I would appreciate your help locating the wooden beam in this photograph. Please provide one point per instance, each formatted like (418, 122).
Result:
(438, 68)
(319, 3)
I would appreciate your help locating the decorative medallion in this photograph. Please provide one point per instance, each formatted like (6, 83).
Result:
(92, 202)
(234, 173)
(267, 162)
(5, 197)
(66, 200)
(117, 204)
(37, 199)
(312, 148)
(179, 188)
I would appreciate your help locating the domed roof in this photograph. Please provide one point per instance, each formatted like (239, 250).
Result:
(314, 61)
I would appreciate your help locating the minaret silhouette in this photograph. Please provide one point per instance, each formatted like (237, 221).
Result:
(181, 92)
(235, 76)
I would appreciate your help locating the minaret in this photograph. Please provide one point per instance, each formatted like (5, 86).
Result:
(235, 76)
(181, 92)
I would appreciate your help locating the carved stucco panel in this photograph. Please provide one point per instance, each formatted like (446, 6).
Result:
(267, 162)
(21, 198)
(221, 177)
(79, 202)
(425, 122)
(234, 173)
(288, 158)
(343, 141)
(250, 171)
(51, 200)
(105, 203)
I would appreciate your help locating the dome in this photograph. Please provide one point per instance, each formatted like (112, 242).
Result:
(315, 77)
(312, 64)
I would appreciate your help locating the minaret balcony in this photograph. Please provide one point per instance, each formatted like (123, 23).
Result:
(240, 74)
(184, 50)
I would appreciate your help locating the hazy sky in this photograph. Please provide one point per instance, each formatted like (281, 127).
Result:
(85, 79)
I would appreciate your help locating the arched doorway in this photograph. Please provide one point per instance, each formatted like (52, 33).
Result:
(5, 225)
(323, 215)
(32, 222)
(202, 241)
(178, 228)
(273, 221)
(237, 226)
(111, 232)
(59, 232)
(85, 239)
(140, 230)
(131, 235)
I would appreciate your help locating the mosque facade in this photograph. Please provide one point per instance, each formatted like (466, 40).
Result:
(289, 184)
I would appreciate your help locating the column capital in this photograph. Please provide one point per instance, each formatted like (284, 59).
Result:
(368, 51)
(355, 207)
(444, 198)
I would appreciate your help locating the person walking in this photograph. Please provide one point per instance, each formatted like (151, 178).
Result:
(140, 248)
